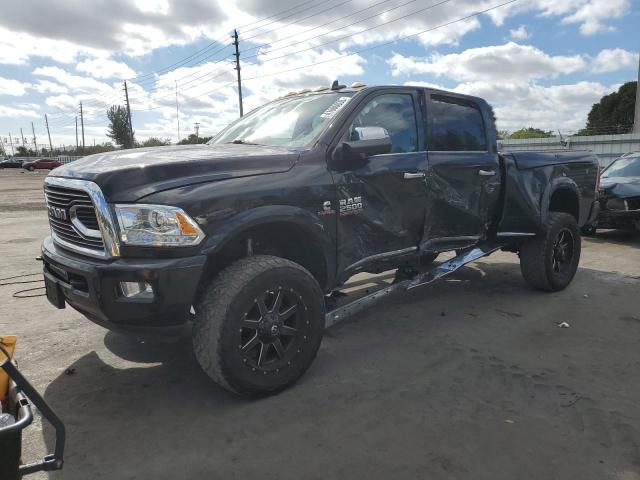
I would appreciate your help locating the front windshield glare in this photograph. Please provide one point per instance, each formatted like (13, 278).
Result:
(290, 122)
(624, 167)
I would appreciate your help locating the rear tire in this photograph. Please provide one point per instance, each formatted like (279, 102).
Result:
(549, 262)
(258, 325)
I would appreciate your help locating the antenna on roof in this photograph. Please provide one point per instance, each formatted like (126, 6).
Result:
(336, 85)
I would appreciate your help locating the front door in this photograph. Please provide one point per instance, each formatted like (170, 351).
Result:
(464, 174)
(381, 203)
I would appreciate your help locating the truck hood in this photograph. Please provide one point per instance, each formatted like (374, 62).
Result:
(621, 186)
(128, 175)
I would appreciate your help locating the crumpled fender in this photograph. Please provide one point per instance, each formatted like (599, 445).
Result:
(234, 226)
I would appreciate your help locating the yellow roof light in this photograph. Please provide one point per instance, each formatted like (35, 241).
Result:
(290, 94)
(306, 90)
(357, 85)
(322, 88)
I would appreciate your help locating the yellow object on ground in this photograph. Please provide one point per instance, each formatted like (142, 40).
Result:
(9, 344)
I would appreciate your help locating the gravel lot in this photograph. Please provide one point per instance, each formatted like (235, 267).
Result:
(469, 378)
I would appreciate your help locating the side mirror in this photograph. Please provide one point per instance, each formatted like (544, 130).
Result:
(365, 142)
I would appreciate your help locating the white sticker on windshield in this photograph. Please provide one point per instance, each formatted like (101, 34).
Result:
(335, 107)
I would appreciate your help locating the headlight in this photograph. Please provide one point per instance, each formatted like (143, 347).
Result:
(617, 204)
(157, 226)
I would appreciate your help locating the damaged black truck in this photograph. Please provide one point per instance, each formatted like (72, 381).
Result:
(244, 239)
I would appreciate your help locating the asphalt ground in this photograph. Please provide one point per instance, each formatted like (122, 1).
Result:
(468, 378)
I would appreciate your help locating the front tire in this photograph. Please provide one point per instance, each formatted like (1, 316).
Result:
(258, 325)
(550, 262)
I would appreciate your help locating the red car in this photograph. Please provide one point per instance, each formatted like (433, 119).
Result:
(41, 164)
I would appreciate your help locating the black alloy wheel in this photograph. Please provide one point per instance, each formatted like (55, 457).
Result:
(273, 330)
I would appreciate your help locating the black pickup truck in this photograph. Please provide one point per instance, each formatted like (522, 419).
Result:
(246, 238)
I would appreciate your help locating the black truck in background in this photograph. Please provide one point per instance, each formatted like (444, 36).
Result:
(245, 238)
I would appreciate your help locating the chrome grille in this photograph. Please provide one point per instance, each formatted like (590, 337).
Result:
(63, 205)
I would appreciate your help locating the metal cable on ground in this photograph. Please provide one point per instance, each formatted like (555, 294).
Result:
(19, 292)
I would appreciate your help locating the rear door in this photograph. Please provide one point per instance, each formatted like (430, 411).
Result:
(382, 202)
(464, 174)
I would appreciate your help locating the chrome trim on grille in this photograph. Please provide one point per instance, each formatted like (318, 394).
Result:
(103, 215)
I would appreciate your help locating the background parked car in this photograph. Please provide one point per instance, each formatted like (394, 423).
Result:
(620, 194)
(11, 163)
(41, 164)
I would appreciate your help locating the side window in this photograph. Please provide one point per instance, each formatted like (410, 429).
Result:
(395, 113)
(454, 126)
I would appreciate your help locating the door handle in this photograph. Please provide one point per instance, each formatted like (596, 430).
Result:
(409, 175)
(486, 173)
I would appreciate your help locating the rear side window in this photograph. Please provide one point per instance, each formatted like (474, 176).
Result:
(395, 113)
(455, 126)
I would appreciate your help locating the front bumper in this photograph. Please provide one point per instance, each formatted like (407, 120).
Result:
(93, 288)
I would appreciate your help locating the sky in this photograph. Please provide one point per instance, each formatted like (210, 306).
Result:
(540, 63)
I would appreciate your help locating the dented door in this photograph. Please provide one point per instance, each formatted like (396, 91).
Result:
(381, 203)
(464, 175)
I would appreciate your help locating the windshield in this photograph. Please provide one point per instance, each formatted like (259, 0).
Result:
(289, 122)
(624, 167)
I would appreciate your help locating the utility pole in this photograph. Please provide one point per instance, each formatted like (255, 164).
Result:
(197, 127)
(35, 144)
(636, 122)
(22, 135)
(237, 55)
(11, 142)
(177, 110)
(76, 134)
(46, 121)
(82, 126)
(126, 94)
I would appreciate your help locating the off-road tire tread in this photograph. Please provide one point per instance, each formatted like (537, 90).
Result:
(213, 306)
(533, 253)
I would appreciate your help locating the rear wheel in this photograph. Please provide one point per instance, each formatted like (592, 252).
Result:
(550, 262)
(258, 325)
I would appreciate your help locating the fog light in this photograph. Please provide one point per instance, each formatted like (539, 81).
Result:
(142, 290)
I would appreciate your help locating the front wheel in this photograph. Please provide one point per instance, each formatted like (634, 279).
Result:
(549, 262)
(258, 325)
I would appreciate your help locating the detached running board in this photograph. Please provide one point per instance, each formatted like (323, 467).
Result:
(424, 278)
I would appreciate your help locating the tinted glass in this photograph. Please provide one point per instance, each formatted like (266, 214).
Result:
(624, 167)
(396, 114)
(290, 122)
(455, 127)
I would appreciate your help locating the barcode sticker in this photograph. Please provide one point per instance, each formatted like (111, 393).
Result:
(335, 107)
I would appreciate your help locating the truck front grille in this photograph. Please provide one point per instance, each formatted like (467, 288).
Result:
(69, 211)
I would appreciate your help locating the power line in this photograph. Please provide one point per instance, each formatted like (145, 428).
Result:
(221, 40)
(356, 52)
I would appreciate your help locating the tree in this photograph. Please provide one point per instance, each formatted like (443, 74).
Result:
(155, 142)
(530, 133)
(119, 126)
(192, 139)
(22, 151)
(613, 114)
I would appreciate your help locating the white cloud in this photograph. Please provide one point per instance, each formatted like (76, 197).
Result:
(45, 86)
(592, 14)
(520, 33)
(105, 68)
(511, 62)
(17, 112)
(14, 88)
(614, 59)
